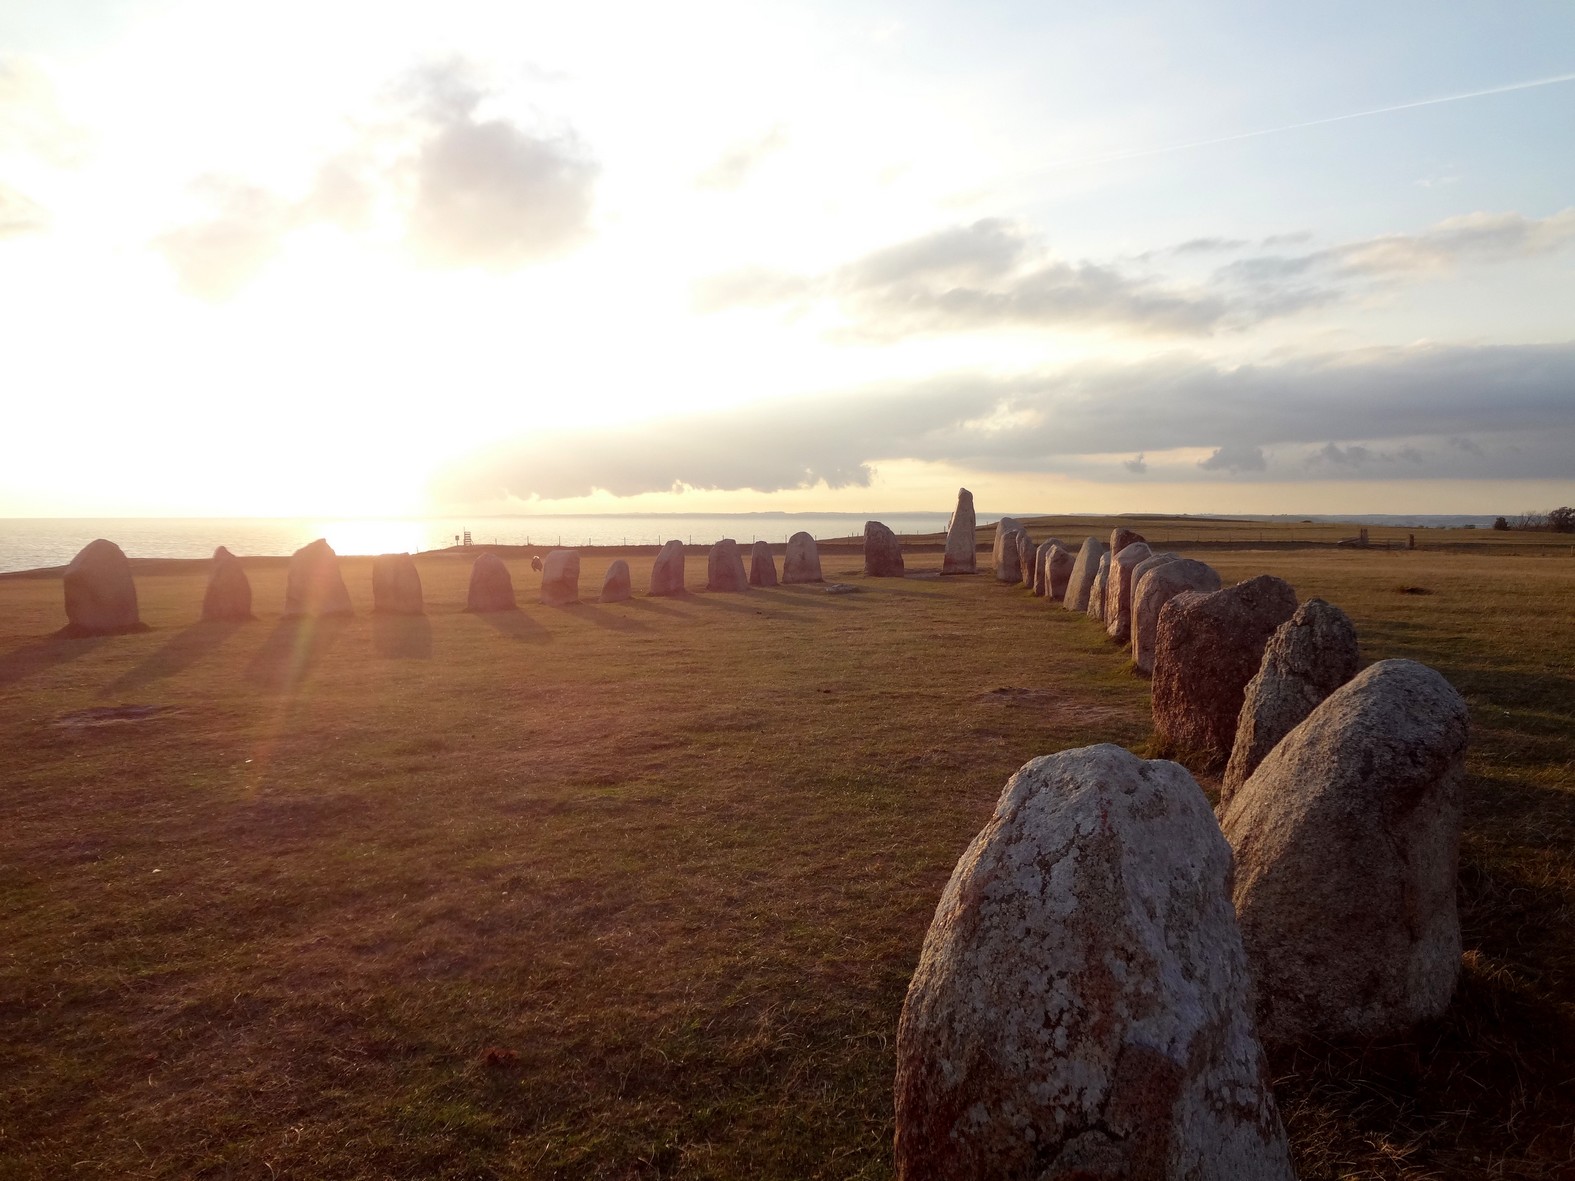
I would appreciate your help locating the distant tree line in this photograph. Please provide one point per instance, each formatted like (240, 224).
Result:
(1560, 520)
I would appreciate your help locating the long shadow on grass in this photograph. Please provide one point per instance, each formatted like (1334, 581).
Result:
(36, 656)
(739, 604)
(516, 625)
(182, 651)
(293, 649)
(402, 637)
(659, 608)
(610, 619)
(804, 598)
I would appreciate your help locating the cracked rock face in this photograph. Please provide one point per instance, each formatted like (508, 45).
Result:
(1347, 841)
(313, 584)
(1311, 655)
(1080, 582)
(801, 563)
(667, 572)
(1154, 585)
(1081, 1004)
(961, 537)
(1118, 590)
(882, 551)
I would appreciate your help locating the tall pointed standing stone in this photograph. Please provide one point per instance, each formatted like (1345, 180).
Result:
(314, 585)
(882, 551)
(1080, 583)
(228, 598)
(667, 572)
(961, 538)
(762, 566)
(396, 585)
(615, 587)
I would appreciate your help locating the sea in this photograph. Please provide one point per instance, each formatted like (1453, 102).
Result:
(40, 542)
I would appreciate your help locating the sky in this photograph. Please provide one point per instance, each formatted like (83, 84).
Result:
(295, 258)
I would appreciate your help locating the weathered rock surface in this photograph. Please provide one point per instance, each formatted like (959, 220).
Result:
(560, 578)
(1026, 552)
(396, 585)
(1059, 565)
(491, 586)
(1096, 593)
(724, 567)
(228, 598)
(667, 572)
(1121, 538)
(1153, 587)
(1347, 841)
(882, 551)
(1309, 656)
(962, 542)
(1206, 648)
(1080, 583)
(762, 566)
(101, 598)
(1081, 1004)
(313, 584)
(801, 563)
(1005, 557)
(1041, 575)
(616, 586)
(1118, 590)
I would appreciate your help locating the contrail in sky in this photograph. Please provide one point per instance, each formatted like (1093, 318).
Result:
(1225, 139)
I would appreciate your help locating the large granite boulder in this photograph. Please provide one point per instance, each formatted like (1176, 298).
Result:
(1097, 592)
(667, 572)
(1206, 649)
(1308, 657)
(616, 586)
(1347, 842)
(101, 598)
(1081, 1007)
(1005, 555)
(882, 551)
(1080, 583)
(1153, 586)
(560, 578)
(724, 567)
(1121, 538)
(313, 585)
(228, 598)
(762, 566)
(801, 563)
(962, 543)
(1118, 590)
(491, 586)
(396, 585)
(1059, 564)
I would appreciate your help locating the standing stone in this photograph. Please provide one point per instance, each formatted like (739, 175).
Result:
(1081, 1007)
(724, 568)
(762, 566)
(1347, 841)
(228, 598)
(396, 585)
(616, 587)
(1121, 538)
(1118, 593)
(491, 586)
(801, 563)
(1207, 647)
(1154, 586)
(560, 578)
(667, 572)
(1096, 593)
(1005, 557)
(1026, 552)
(1311, 655)
(313, 584)
(101, 598)
(962, 544)
(1058, 571)
(1041, 576)
(882, 551)
(1080, 583)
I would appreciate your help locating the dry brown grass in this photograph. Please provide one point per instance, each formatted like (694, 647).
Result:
(635, 891)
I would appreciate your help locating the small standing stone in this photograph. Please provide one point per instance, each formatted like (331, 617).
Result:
(228, 598)
(101, 598)
(1005, 557)
(725, 568)
(962, 543)
(1118, 591)
(313, 585)
(801, 563)
(1058, 571)
(616, 586)
(396, 585)
(882, 551)
(560, 578)
(1121, 538)
(1096, 593)
(491, 586)
(1155, 586)
(667, 572)
(762, 566)
(1026, 552)
(1085, 568)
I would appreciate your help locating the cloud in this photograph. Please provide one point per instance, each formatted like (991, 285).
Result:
(1395, 408)
(19, 214)
(741, 160)
(1137, 465)
(464, 187)
(1208, 245)
(31, 119)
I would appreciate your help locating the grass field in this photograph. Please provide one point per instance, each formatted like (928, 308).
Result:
(635, 890)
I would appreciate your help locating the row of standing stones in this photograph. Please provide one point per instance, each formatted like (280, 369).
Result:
(1110, 956)
(101, 595)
